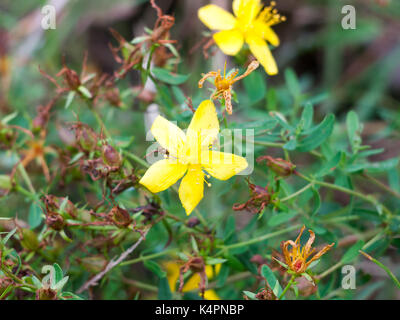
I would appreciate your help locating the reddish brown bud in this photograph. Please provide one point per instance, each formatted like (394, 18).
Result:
(192, 222)
(55, 221)
(279, 166)
(113, 97)
(120, 217)
(111, 156)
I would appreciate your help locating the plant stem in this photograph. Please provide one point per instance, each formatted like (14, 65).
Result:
(367, 198)
(148, 257)
(287, 287)
(297, 192)
(382, 185)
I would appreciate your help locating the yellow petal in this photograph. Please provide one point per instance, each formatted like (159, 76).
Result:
(168, 135)
(222, 165)
(203, 129)
(229, 41)
(264, 31)
(246, 10)
(216, 18)
(260, 50)
(211, 295)
(191, 190)
(163, 174)
(271, 36)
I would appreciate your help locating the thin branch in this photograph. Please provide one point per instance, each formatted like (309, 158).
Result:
(94, 281)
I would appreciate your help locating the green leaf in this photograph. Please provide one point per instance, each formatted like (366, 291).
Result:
(255, 86)
(251, 295)
(273, 282)
(307, 116)
(329, 166)
(58, 273)
(352, 252)
(155, 268)
(8, 236)
(292, 82)
(281, 218)
(317, 135)
(169, 77)
(70, 98)
(85, 92)
(212, 261)
(317, 197)
(35, 215)
(353, 130)
(164, 291)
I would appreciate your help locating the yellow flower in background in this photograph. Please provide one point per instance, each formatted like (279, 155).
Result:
(192, 283)
(189, 156)
(251, 23)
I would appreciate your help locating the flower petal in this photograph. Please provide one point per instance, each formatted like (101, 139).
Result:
(222, 165)
(229, 41)
(163, 174)
(216, 18)
(203, 129)
(246, 10)
(168, 135)
(264, 31)
(191, 190)
(260, 50)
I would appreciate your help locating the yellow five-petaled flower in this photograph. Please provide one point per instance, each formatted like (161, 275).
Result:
(190, 154)
(251, 23)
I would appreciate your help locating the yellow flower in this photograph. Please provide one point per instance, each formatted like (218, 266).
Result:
(251, 23)
(296, 257)
(223, 84)
(192, 283)
(190, 154)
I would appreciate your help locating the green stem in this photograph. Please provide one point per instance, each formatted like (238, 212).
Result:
(367, 198)
(297, 192)
(136, 159)
(380, 264)
(148, 257)
(287, 287)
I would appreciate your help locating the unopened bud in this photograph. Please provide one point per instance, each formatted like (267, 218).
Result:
(55, 221)
(121, 217)
(29, 240)
(279, 166)
(111, 156)
(192, 222)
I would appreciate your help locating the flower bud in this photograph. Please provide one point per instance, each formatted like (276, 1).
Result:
(111, 156)
(86, 139)
(29, 239)
(279, 166)
(192, 222)
(113, 97)
(55, 221)
(120, 217)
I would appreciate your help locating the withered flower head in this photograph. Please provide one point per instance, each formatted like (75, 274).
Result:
(279, 166)
(260, 198)
(197, 265)
(296, 257)
(223, 84)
